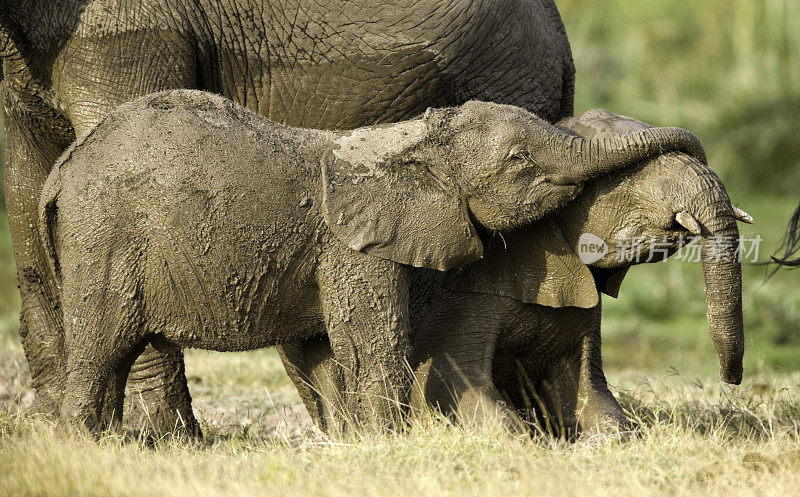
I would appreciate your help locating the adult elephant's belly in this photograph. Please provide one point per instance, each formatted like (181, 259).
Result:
(350, 63)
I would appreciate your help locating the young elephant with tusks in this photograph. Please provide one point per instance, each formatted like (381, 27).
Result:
(523, 324)
(183, 220)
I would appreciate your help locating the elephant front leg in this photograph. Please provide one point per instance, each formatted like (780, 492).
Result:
(575, 385)
(318, 378)
(32, 145)
(560, 381)
(597, 409)
(365, 303)
(460, 390)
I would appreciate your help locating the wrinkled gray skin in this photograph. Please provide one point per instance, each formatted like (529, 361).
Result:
(183, 220)
(523, 324)
(335, 64)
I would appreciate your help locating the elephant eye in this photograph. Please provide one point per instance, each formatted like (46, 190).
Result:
(521, 153)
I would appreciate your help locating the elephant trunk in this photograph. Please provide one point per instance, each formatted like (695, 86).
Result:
(588, 157)
(723, 280)
(722, 270)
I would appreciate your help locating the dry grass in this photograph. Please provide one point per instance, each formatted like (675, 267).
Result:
(691, 438)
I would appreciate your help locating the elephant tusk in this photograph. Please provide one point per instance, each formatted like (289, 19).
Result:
(688, 221)
(743, 216)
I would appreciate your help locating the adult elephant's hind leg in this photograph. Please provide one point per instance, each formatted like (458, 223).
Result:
(158, 394)
(365, 302)
(33, 143)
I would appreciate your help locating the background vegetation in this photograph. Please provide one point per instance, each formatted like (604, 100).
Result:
(728, 70)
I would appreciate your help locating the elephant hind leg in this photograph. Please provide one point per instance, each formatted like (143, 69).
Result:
(98, 357)
(103, 333)
(33, 144)
(159, 399)
(114, 401)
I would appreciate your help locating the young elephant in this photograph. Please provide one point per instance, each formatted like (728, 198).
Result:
(183, 220)
(524, 323)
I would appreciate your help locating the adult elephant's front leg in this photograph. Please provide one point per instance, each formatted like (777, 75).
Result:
(365, 303)
(34, 138)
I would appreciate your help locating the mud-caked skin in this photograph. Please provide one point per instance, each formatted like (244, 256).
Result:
(335, 64)
(517, 334)
(184, 220)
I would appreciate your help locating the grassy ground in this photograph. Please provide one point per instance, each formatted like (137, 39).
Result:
(691, 438)
(725, 69)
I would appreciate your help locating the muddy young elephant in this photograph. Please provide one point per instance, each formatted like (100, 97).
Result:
(518, 333)
(218, 229)
(335, 64)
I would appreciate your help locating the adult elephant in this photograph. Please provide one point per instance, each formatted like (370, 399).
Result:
(334, 64)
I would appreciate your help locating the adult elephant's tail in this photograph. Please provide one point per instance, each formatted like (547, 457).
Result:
(790, 249)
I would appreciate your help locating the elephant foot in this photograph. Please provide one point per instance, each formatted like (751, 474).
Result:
(159, 399)
(481, 408)
(600, 413)
(47, 373)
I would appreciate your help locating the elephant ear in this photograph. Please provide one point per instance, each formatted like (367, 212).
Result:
(609, 280)
(379, 202)
(534, 265)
